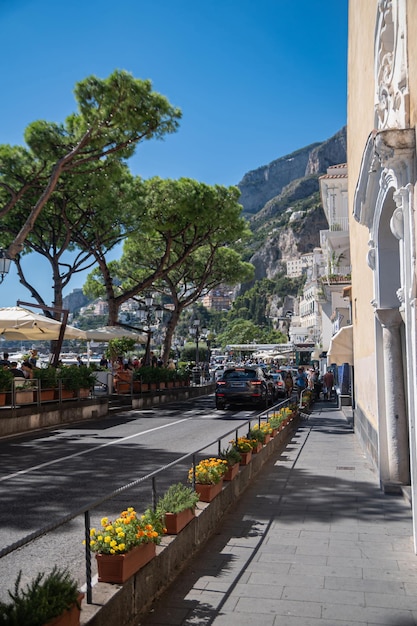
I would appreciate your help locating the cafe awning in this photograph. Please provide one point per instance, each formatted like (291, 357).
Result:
(341, 347)
(17, 323)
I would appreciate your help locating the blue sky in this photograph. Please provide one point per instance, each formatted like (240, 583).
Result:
(254, 80)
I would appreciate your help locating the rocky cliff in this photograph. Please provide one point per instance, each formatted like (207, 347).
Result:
(282, 203)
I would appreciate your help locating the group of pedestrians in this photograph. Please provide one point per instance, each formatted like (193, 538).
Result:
(26, 368)
(310, 379)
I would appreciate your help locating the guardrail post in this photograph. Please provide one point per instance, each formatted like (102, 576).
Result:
(154, 493)
(87, 557)
(193, 483)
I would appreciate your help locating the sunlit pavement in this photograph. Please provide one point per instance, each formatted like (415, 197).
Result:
(312, 541)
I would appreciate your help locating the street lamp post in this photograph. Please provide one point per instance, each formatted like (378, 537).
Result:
(198, 332)
(5, 261)
(151, 316)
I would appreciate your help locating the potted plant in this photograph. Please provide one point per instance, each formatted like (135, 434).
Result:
(244, 446)
(6, 379)
(207, 476)
(51, 599)
(233, 457)
(176, 507)
(262, 432)
(47, 377)
(125, 545)
(24, 390)
(150, 376)
(75, 378)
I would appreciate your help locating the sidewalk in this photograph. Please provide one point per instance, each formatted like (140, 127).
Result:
(313, 541)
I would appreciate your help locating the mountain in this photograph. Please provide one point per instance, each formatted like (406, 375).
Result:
(282, 203)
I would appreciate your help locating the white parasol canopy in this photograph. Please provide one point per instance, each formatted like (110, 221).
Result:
(113, 332)
(17, 323)
(341, 347)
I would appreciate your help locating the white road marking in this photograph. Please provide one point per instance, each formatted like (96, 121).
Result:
(76, 454)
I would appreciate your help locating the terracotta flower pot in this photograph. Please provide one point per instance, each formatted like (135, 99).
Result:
(47, 394)
(26, 396)
(267, 438)
(246, 458)
(257, 449)
(70, 617)
(208, 492)
(175, 522)
(117, 568)
(232, 472)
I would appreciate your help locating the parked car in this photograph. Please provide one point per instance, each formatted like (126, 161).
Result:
(279, 384)
(243, 385)
(218, 371)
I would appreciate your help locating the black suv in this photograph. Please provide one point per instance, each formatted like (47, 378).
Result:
(243, 385)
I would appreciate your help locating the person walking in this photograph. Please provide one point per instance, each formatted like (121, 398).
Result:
(300, 381)
(289, 384)
(328, 383)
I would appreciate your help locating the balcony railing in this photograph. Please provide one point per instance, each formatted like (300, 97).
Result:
(339, 223)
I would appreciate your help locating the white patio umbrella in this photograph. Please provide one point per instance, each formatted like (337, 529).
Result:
(341, 347)
(17, 323)
(105, 333)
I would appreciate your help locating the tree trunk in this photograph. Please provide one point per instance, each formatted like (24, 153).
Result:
(170, 329)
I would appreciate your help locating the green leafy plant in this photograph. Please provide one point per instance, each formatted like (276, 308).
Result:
(177, 498)
(231, 455)
(47, 376)
(75, 377)
(256, 435)
(6, 378)
(46, 597)
(119, 346)
(148, 374)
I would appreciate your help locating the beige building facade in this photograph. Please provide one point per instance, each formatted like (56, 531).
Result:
(382, 111)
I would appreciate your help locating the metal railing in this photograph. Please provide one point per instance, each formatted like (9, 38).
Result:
(152, 476)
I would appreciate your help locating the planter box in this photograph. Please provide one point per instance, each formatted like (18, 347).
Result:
(246, 458)
(267, 439)
(46, 395)
(122, 387)
(207, 493)
(70, 617)
(2, 398)
(26, 396)
(257, 449)
(232, 472)
(117, 568)
(66, 394)
(175, 522)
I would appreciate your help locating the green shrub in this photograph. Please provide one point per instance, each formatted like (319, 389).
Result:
(178, 498)
(6, 378)
(43, 599)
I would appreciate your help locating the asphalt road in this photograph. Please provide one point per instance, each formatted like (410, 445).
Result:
(47, 476)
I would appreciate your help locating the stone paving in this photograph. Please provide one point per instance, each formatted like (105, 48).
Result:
(313, 541)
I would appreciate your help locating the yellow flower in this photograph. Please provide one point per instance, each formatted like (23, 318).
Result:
(107, 539)
(122, 547)
(113, 543)
(104, 521)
